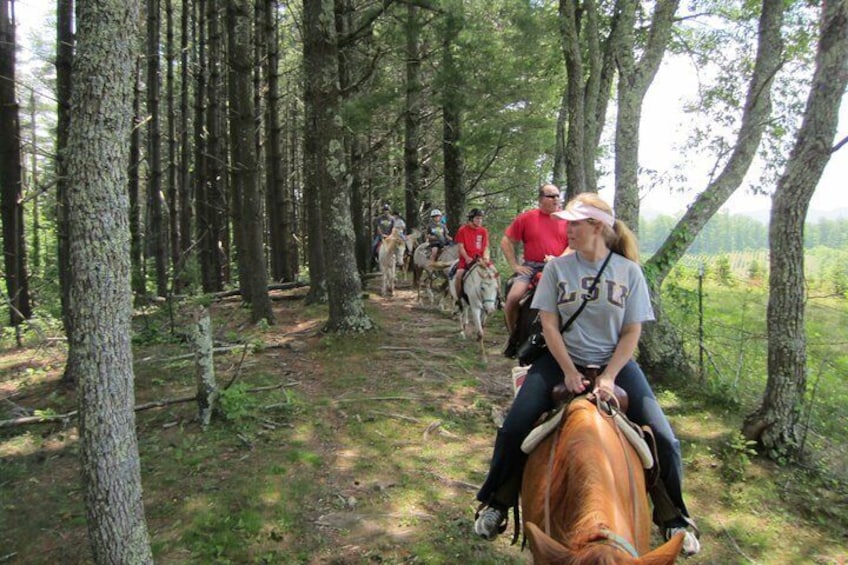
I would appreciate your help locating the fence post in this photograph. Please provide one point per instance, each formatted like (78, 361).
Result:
(701, 322)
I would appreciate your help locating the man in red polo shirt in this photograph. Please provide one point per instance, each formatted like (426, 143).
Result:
(543, 238)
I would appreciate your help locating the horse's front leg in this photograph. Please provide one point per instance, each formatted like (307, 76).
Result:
(463, 319)
(477, 315)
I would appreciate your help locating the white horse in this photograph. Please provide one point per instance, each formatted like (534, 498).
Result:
(390, 256)
(427, 272)
(481, 292)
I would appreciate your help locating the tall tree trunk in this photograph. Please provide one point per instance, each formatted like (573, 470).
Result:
(323, 103)
(360, 214)
(775, 425)
(157, 236)
(278, 225)
(173, 187)
(138, 275)
(245, 179)
(574, 158)
(185, 187)
(590, 67)
(292, 175)
(312, 157)
(202, 183)
(35, 189)
(660, 349)
(11, 197)
(214, 207)
(64, 62)
(452, 105)
(633, 82)
(101, 301)
(412, 119)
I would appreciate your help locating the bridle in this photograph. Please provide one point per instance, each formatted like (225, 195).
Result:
(612, 539)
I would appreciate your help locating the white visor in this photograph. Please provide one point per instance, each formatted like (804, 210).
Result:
(580, 211)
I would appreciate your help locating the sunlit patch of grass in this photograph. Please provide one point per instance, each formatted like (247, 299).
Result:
(221, 536)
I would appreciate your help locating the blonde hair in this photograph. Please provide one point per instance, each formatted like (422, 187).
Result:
(619, 238)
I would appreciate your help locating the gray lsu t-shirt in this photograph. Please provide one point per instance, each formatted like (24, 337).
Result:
(621, 297)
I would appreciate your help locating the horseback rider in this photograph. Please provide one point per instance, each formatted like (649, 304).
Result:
(543, 238)
(383, 226)
(437, 234)
(606, 335)
(473, 241)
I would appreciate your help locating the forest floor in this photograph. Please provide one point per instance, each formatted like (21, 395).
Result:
(354, 449)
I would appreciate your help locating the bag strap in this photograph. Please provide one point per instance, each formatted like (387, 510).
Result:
(586, 296)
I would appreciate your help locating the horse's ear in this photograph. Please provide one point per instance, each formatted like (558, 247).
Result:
(544, 548)
(665, 554)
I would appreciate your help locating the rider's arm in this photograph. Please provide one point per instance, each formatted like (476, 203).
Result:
(624, 349)
(508, 248)
(463, 253)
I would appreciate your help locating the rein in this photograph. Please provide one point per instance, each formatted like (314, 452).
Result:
(609, 411)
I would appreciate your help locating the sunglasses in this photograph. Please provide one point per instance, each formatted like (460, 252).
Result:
(550, 195)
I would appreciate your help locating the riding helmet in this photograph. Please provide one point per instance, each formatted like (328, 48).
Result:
(435, 212)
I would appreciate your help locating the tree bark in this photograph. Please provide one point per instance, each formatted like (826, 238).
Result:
(157, 236)
(412, 119)
(173, 188)
(634, 78)
(279, 227)
(138, 275)
(452, 105)
(100, 297)
(590, 67)
(245, 180)
(321, 60)
(64, 62)
(204, 366)
(775, 425)
(213, 206)
(184, 187)
(11, 196)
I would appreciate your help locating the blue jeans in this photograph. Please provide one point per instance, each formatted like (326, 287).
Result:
(503, 482)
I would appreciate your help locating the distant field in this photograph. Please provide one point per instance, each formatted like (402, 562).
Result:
(741, 262)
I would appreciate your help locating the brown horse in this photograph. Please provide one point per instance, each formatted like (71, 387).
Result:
(583, 496)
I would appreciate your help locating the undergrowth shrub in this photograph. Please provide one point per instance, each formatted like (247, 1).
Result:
(736, 454)
(236, 403)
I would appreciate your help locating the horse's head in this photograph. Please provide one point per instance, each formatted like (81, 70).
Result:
(601, 547)
(490, 285)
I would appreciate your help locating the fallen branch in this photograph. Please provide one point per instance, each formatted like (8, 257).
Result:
(185, 356)
(53, 418)
(280, 286)
(396, 416)
(376, 398)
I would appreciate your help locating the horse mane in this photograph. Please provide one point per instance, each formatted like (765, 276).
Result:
(589, 500)
(593, 449)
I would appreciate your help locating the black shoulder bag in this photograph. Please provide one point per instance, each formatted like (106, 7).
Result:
(535, 345)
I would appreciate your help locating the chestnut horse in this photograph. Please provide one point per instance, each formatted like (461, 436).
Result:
(583, 496)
